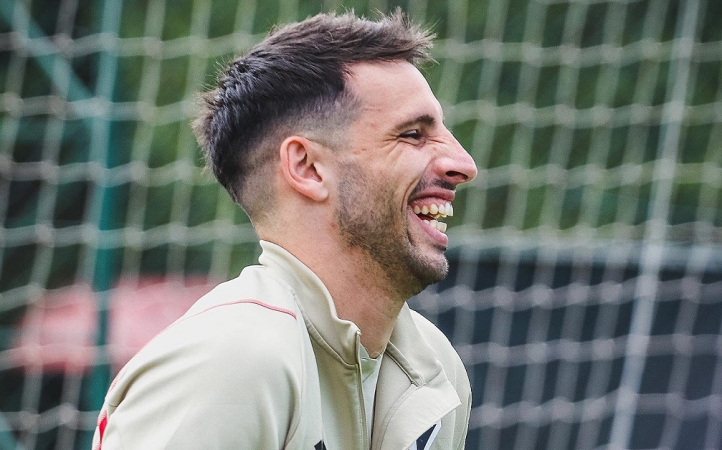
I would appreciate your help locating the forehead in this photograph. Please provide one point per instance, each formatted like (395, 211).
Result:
(392, 92)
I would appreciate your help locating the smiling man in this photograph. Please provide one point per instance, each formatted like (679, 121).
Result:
(330, 138)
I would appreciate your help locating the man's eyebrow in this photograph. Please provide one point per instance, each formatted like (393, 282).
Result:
(424, 119)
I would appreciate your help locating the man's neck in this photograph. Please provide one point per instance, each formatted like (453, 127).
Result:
(360, 291)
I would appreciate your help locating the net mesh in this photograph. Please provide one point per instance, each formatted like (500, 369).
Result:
(586, 267)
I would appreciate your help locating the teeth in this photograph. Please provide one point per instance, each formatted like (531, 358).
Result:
(436, 211)
(440, 226)
(442, 210)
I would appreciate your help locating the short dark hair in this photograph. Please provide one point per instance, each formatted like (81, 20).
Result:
(291, 81)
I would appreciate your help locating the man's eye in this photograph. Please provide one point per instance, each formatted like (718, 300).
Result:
(412, 134)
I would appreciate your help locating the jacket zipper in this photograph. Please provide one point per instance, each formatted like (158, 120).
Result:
(359, 376)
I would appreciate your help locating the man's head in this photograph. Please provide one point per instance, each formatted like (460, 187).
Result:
(293, 82)
(333, 142)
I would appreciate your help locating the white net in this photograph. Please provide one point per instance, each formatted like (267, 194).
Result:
(584, 295)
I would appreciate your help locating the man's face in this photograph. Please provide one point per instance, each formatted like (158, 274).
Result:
(397, 175)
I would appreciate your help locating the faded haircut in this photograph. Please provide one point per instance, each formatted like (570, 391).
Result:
(294, 81)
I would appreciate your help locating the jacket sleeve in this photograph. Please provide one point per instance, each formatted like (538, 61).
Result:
(228, 378)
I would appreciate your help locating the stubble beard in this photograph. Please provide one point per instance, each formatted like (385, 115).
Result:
(368, 219)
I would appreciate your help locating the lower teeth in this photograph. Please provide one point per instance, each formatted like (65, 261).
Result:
(440, 226)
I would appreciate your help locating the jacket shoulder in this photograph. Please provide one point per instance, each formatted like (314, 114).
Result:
(255, 283)
(251, 319)
(432, 334)
(232, 365)
(445, 351)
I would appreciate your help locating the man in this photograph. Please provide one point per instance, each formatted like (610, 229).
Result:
(329, 137)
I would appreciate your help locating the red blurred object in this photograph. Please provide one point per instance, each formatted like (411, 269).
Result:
(58, 333)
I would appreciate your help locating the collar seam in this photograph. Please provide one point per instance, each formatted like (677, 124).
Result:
(401, 362)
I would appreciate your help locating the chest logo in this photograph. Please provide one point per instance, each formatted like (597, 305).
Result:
(424, 441)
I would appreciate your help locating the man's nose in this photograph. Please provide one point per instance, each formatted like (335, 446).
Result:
(456, 164)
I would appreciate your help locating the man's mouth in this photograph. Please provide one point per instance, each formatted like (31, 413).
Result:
(430, 212)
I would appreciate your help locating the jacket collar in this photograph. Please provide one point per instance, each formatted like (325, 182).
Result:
(341, 337)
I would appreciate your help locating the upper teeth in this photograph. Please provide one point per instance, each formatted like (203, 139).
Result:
(440, 210)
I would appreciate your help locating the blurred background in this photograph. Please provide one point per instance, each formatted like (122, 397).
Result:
(585, 293)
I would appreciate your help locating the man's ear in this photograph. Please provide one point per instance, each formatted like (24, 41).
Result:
(303, 168)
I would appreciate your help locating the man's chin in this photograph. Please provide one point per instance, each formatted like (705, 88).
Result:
(430, 270)
(416, 271)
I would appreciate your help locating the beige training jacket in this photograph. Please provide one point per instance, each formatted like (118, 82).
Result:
(264, 362)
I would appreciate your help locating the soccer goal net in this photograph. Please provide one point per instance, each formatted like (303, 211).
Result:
(585, 290)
